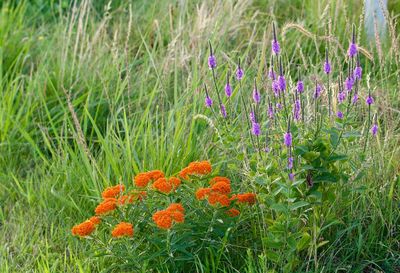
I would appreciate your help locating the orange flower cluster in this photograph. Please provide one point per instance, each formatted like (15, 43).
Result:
(84, 229)
(112, 192)
(95, 220)
(108, 205)
(143, 179)
(166, 185)
(233, 212)
(165, 218)
(132, 197)
(196, 168)
(217, 193)
(122, 229)
(245, 198)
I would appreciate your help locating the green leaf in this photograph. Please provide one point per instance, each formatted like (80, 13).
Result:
(298, 205)
(311, 156)
(304, 241)
(279, 207)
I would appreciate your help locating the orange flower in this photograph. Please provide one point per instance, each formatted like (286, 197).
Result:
(83, 229)
(215, 198)
(202, 193)
(143, 179)
(174, 181)
(163, 219)
(122, 229)
(196, 168)
(141, 195)
(112, 192)
(249, 198)
(221, 187)
(220, 179)
(233, 212)
(95, 220)
(162, 185)
(106, 206)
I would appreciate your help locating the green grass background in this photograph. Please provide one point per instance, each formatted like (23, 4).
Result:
(131, 74)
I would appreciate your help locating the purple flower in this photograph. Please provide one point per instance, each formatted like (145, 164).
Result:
(209, 101)
(228, 90)
(278, 106)
(212, 62)
(271, 74)
(300, 86)
(357, 72)
(282, 83)
(291, 176)
(267, 149)
(341, 96)
(339, 114)
(349, 83)
(252, 117)
(290, 163)
(239, 73)
(369, 100)
(223, 110)
(355, 98)
(318, 90)
(270, 112)
(256, 130)
(275, 88)
(275, 47)
(327, 67)
(296, 110)
(256, 96)
(352, 49)
(288, 139)
(374, 129)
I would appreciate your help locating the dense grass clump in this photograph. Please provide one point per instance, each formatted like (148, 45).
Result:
(95, 92)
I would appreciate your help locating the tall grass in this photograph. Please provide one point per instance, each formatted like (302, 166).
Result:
(84, 105)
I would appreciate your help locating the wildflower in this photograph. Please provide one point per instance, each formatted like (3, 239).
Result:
(212, 61)
(223, 110)
(352, 51)
(176, 212)
(271, 74)
(95, 220)
(232, 212)
(327, 66)
(208, 101)
(143, 179)
(278, 106)
(369, 100)
(290, 163)
(228, 88)
(215, 198)
(341, 96)
(339, 114)
(112, 192)
(221, 187)
(291, 176)
(275, 87)
(162, 219)
(126, 199)
(349, 82)
(252, 117)
(300, 86)
(256, 96)
(196, 168)
(256, 130)
(267, 149)
(122, 229)
(166, 185)
(288, 139)
(296, 109)
(374, 129)
(357, 72)
(355, 98)
(239, 72)
(249, 198)
(282, 83)
(270, 111)
(318, 90)
(219, 179)
(106, 206)
(202, 193)
(83, 229)
(275, 44)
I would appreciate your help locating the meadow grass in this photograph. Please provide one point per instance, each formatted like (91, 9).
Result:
(93, 93)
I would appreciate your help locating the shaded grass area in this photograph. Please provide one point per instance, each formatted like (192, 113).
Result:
(135, 97)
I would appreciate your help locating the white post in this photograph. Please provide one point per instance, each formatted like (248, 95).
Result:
(373, 9)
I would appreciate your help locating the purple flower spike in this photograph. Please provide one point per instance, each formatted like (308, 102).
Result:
(358, 72)
(352, 49)
(275, 47)
(278, 106)
(355, 98)
(349, 83)
(296, 110)
(374, 129)
(282, 83)
(256, 129)
(212, 62)
(341, 96)
(271, 74)
(228, 90)
(270, 112)
(252, 117)
(256, 96)
(300, 86)
(275, 88)
(267, 149)
(223, 110)
(318, 90)
(239, 73)
(291, 176)
(209, 101)
(339, 114)
(288, 139)
(327, 67)
(290, 163)
(369, 100)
